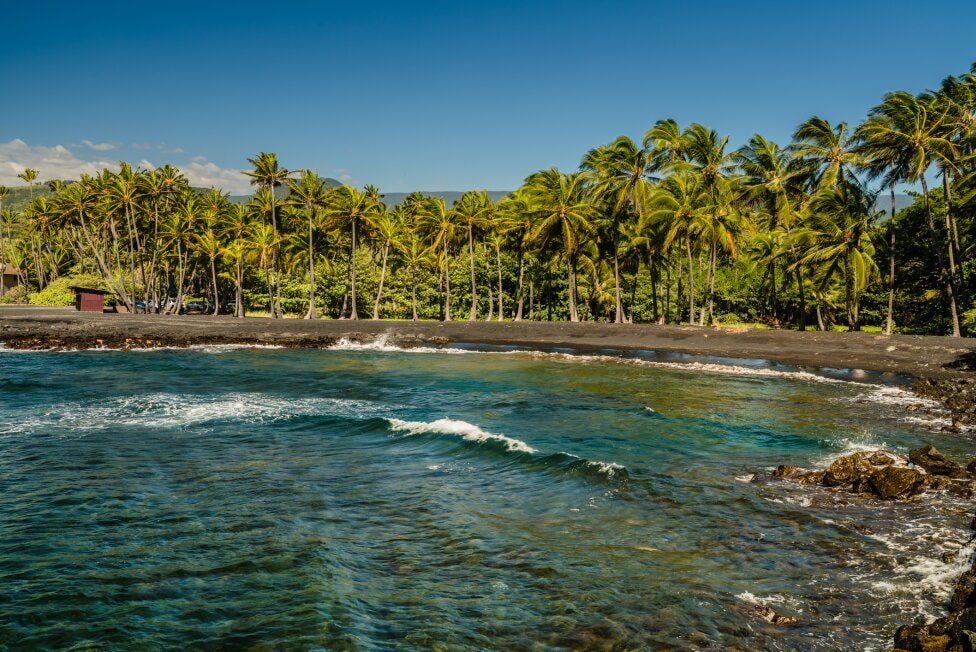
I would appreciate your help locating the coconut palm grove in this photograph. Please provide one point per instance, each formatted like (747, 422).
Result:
(679, 227)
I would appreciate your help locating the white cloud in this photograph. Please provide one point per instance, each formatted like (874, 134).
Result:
(50, 162)
(58, 162)
(98, 147)
(202, 173)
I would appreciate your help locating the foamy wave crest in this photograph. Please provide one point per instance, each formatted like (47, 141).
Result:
(209, 348)
(184, 411)
(910, 407)
(462, 429)
(382, 344)
(697, 367)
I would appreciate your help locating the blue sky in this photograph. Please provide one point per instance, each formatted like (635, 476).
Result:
(438, 95)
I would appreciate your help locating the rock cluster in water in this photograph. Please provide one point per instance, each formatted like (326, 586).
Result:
(955, 632)
(886, 475)
(958, 395)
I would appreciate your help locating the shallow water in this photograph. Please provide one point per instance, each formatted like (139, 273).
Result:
(369, 498)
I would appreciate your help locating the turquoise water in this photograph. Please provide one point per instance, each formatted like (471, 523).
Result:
(378, 499)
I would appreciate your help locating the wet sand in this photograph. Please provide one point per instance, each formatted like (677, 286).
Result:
(915, 355)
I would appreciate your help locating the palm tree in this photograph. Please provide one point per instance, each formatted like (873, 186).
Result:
(4, 191)
(619, 168)
(879, 160)
(514, 218)
(774, 187)
(439, 225)
(308, 192)
(413, 254)
(349, 206)
(836, 239)
(29, 176)
(269, 175)
(908, 130)
(680, 202)
(565, 215)
(706, 155)
(473, 210)
(387, 227)
(827, 154)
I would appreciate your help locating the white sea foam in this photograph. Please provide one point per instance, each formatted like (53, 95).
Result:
(161, 410)
(382, 344)
(462, 429)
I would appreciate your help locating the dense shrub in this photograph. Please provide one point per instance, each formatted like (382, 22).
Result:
(57, 292)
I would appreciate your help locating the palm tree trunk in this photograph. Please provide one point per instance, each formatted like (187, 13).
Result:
(353, 314)
(947, 195)
(239, 291)
(521, 288)
(447, 282)
(379, 292)
(820, 321)
(691, 283)
(501, 296)
(711, 284)
(802, 318)
(531, 300)
(618, 317)
(216, 297)
(950, 282)
(311, 314)
(413, 291)
(891, 264)
(474, 288)
(573, 312)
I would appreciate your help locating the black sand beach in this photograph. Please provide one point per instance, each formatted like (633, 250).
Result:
(915, 355)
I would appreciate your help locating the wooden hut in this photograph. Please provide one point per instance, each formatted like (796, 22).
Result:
(9, 278)
(89, 299)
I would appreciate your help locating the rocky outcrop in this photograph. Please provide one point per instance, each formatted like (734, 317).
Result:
(958, 395)
(934, 462)
(887, 475)
(955, 632)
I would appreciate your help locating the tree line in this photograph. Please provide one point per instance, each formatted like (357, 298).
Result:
(678, 227)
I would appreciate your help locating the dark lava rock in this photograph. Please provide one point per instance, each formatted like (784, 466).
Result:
(770, 616)
(929, 458)
(786, 470)
(896, 482)
(964, 594)
(971, 467)
(845, 470)
(880, 458)
(810, 478)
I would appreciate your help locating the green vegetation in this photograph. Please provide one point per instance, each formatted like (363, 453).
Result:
(678, 228)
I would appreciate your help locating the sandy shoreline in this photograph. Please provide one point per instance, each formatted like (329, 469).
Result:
(915, 355)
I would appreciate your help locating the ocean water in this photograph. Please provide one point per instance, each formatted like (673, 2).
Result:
(368, 498)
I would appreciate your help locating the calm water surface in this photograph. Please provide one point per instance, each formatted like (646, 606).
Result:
(372, 499)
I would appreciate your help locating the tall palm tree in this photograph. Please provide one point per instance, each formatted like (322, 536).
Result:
(308, 193)
(387, 227)
(836, 239)
(473, 210)
(4, 191)
(565, 215)
(706, 155)
(269, 175)
(774, 188)
(906, 129)
(514, 218)
(828, 154)
(680, 202)
(29, 176)
(619, 168)
(351, 207)
(439, 225)
(879, 160)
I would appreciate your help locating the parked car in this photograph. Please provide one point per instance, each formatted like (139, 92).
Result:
(199, 308)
